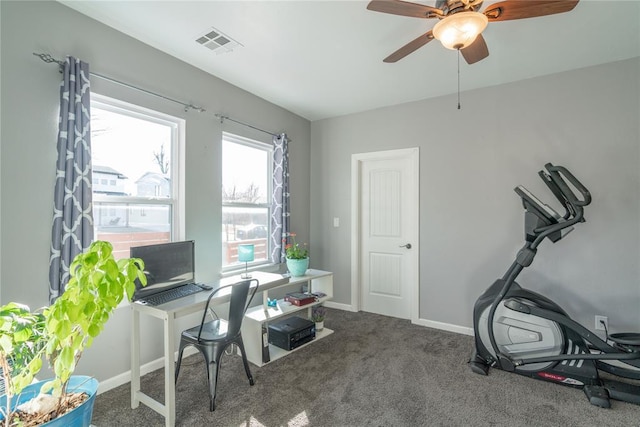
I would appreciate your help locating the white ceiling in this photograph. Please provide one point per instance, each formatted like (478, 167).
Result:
(323, 58)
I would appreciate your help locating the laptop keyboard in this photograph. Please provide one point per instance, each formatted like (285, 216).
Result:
(173, 294)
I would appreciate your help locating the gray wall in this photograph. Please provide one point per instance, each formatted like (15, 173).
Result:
(29, 125)
(471, 221)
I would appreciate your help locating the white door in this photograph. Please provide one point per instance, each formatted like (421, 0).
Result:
(386, 232)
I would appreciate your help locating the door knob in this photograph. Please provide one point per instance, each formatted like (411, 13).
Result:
(408, 246)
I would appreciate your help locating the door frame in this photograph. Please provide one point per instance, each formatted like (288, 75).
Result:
(356, 169)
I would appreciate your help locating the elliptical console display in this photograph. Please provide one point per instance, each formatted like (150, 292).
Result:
(521, 331)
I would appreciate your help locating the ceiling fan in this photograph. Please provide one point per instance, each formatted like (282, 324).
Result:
(461, 24)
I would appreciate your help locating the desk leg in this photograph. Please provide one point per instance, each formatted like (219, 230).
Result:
(169, 372)
(135, 358)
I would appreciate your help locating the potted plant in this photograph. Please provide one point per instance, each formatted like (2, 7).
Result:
(61, 332)
(297, 256)
(318, 314)
(21, 348)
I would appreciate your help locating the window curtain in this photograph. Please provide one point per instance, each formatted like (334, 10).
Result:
(72, 230)
(280, 199)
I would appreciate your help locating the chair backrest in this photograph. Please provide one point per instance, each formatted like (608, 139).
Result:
(242, 294)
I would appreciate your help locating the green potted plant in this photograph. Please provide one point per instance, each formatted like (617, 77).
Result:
(318, 314)
(61, 332)
(297, 256)
(21, 349)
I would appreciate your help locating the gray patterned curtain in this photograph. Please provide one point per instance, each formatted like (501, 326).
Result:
(72, 229)
(280, 198)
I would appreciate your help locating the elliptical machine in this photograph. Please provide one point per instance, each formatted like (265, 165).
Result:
(521, 331)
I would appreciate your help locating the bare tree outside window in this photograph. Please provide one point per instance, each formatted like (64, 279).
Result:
(159, 158)
(249, 195)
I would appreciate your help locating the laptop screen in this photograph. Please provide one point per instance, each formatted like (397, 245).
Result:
(166, 265)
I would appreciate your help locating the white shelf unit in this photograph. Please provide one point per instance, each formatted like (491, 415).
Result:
(256, 317)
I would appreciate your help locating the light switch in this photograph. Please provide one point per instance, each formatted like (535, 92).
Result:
(336, 222)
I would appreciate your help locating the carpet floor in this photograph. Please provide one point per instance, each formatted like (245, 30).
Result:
(372, 371)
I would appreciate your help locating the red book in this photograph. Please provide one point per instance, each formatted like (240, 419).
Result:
(299, 299)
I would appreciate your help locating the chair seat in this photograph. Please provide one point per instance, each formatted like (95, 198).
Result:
(214, 330)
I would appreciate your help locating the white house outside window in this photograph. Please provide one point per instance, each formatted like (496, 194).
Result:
(136, 158)
(246, 196)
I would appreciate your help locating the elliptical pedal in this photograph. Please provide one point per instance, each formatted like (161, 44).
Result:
(624, 392)
(597, 395)
(479, 368)
(478, 365)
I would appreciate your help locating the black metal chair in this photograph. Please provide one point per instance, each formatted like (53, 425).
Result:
(213, 337)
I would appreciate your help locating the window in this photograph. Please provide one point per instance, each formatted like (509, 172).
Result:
(135, 154)
(246, 198)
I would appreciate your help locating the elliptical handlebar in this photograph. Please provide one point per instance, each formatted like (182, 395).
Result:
(555, 177)
(556, 173)
(543, 224)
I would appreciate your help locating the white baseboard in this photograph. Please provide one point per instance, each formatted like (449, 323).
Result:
(125, 377)
(339, 306)
(422, 322)
(444, 326)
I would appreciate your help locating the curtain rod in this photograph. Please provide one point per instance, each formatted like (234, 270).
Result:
(50, 59)
(223, 118)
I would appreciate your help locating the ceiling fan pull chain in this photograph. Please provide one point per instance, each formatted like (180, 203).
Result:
(458, 79)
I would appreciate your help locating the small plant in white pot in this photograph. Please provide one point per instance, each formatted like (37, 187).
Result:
(61, 332)
(318, 314)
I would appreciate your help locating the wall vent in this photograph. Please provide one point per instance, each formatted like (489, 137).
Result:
(216, 41)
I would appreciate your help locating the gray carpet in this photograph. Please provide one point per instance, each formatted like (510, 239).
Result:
(373, 371)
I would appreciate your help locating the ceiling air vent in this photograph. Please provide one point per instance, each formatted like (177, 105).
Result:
(217, 42)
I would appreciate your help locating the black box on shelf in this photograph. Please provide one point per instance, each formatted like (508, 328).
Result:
(292, 332)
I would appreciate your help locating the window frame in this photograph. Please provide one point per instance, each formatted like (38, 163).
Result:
(177, 171)
(269, 149)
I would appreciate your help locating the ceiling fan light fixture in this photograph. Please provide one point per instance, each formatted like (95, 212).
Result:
(459, 30)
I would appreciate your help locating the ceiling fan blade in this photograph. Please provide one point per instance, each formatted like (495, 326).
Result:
(410, 47)
(516, 9)
(476, 51)
(403, 8)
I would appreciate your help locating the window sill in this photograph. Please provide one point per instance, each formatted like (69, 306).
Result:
(267, 267)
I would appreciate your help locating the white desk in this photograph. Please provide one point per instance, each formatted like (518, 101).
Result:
(168, 313)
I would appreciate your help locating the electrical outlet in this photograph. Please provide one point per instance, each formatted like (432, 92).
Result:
(600, 320)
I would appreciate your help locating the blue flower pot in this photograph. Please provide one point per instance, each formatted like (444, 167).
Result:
(79, 417)
(297, 267)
